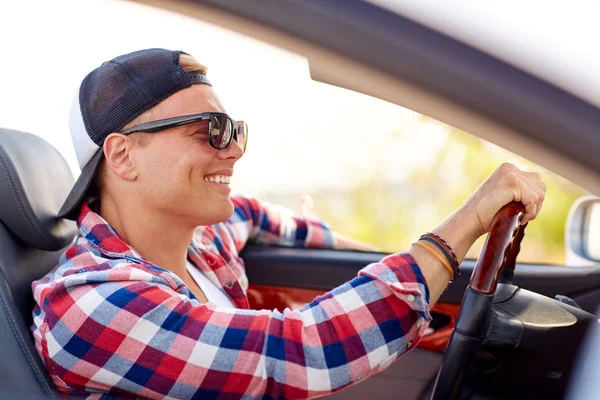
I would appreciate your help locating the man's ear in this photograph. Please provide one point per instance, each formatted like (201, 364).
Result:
(117, 153)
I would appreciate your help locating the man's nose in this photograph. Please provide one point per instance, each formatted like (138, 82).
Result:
(234, 151)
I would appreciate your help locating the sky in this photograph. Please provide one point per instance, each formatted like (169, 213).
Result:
(303, 136)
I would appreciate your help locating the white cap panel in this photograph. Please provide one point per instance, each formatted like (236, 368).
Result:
(85, 148)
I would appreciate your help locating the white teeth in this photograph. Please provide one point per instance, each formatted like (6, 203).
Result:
(218, 179)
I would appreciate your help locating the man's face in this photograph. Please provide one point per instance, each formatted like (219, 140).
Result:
(175, 166)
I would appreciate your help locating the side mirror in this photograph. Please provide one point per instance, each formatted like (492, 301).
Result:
(582, 236)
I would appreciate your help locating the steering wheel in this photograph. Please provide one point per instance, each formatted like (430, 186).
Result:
(497, 263)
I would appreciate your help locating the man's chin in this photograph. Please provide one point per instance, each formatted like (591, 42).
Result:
(216, 215)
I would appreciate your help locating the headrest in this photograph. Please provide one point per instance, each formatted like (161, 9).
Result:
(34, 181)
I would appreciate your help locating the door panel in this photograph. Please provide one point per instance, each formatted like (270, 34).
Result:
(442, 324)
(264, 297)
(325, 269)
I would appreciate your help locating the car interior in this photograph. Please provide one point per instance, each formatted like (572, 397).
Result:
(495, 335)
(519, 340)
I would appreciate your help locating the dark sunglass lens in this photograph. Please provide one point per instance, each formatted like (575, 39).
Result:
(220, 131)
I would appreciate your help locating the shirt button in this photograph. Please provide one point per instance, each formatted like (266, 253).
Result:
(244, 282)
(229, 284)
(410, 298)
(409, 344)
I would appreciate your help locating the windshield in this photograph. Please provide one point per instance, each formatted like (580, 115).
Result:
(375, 171)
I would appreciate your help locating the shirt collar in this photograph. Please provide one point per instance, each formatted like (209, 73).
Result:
(98, 232)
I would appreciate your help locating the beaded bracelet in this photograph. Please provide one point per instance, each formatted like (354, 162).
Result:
(440, 239)
(445, 248)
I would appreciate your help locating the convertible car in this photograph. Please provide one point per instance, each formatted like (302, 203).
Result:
(504, 329)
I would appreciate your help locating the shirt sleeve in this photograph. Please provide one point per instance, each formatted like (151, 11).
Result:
(264, 223)
(146, 339)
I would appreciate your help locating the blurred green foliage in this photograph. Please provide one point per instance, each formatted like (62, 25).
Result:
(393, 216)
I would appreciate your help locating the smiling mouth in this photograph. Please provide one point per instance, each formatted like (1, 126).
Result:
(218, 179)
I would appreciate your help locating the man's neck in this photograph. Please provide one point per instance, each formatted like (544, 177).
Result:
(158, 238)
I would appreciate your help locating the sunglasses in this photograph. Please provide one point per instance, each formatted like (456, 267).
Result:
(221, 128)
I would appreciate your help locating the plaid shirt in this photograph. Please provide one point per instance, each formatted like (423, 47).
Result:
(107, 320)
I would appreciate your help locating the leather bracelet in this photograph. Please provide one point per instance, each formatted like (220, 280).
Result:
(446, 249)
(440, 248)
(425, 245)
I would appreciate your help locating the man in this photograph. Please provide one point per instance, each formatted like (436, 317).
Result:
(151, 300)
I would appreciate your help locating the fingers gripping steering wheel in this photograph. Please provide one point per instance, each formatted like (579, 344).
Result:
(497, 262)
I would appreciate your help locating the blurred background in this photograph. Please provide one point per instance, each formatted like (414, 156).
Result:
(377, 172)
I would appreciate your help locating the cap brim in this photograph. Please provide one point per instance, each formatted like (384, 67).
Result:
(70, 208)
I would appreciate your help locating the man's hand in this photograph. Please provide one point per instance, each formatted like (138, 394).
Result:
(475, 217)
(342, 242)
(506, 184)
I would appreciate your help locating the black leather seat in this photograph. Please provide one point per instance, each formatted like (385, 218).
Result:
(34, 181)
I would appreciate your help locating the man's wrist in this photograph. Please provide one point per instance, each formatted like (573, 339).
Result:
(342, 242)
(460, 230)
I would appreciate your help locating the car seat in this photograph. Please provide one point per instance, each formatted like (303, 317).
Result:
(34, 181)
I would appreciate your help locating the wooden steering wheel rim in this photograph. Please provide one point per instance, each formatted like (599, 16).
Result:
(501, 248)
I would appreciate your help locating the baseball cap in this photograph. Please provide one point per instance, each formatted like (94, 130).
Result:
(110, 97)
